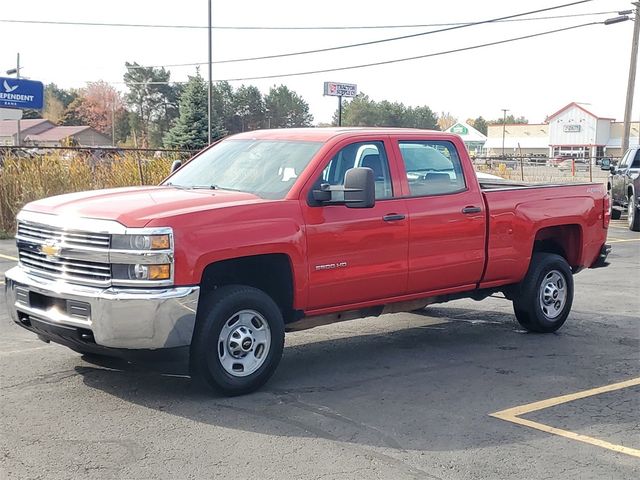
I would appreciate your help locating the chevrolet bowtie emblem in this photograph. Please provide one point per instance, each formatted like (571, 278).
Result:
(51, 249)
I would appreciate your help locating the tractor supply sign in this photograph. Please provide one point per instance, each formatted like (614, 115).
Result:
(19, 93)
(340, 89)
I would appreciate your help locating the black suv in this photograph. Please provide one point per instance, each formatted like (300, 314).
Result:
(624, 186)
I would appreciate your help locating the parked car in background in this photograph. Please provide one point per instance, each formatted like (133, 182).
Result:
(624, 187)
(557, 160)
(574, 164)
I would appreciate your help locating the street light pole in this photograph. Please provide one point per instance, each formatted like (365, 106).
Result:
(504, 126)
(210, 85)
(632, 79)
(19, 140)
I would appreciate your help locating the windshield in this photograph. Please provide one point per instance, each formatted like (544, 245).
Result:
(266, 168)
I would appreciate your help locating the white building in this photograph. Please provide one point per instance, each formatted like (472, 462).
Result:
(473, 139)
(571, 131)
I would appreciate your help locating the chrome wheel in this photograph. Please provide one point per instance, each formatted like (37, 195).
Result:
(631, 211)
(553, 294)
(244, 343)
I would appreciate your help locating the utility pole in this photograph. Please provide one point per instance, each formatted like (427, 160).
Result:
(632, 79)
(504, 127)
(113, 121)
(18, 140)
(210, 86)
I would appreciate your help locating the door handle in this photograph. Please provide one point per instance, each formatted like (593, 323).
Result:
(468, 210)
(393, 217)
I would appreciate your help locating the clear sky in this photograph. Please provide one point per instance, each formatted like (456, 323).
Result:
(532, 77)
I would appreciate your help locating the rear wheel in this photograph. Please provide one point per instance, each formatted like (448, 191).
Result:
(632, 214)
(543, 300)
(238, 341)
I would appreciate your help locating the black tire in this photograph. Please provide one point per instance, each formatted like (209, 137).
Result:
(633, 214)
(217, 312)
(529, 298)
(615, 214)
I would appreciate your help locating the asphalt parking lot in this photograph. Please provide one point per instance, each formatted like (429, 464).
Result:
(458, 392)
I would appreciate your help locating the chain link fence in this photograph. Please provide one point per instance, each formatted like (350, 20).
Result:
(31, 173)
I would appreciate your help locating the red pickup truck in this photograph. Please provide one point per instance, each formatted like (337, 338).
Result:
(281, 230)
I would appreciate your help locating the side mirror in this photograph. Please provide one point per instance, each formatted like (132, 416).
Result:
(176, 165)
(605, 164)
(359, 188)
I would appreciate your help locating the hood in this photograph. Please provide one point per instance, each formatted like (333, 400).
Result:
(137, 206)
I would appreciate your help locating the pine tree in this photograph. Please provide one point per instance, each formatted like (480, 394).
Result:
(190, 129)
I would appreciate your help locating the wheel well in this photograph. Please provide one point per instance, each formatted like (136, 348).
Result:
(563, 240)
(270, 273)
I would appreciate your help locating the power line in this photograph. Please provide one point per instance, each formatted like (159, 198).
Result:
(247, 27)
(386, 62)
(371, 42)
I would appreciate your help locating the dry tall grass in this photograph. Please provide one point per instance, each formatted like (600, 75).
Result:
(23, 180)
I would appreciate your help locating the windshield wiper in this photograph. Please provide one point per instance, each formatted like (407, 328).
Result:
(193, 187)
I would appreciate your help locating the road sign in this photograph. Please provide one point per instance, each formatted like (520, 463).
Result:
(459, 129)
(340, 89)
(21, 93)
(10, 114)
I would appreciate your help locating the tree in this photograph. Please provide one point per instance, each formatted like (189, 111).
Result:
(223, 106)
(364, 112)
(359, 112)
(100, 104)
(249, 108)
(153, 99)
(446, 120)
(72, 115)
(479, 124)
(510, 120)
(285, 108)
(53, 107)
(421, 117)
(190, 129)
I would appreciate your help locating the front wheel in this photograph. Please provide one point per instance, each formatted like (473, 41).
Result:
(238, 341)
(614, 212)
(632, 214)
(543, 300)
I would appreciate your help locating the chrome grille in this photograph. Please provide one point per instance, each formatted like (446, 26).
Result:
(32, 232)
(66, 265)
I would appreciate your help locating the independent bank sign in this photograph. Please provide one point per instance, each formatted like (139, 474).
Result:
(20, 93)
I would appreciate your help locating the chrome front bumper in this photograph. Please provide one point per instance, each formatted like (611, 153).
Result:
(123, 318)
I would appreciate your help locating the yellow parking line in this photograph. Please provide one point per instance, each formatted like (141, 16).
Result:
(8, 257)
(513, 415)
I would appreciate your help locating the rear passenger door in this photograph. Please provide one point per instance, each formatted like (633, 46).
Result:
(446, 216)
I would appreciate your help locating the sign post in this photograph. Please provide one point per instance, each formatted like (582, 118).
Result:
(334, 89)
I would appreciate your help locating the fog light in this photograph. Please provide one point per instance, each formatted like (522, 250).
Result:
(159, 272)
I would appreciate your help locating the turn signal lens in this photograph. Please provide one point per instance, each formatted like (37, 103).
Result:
(159, 272)
(160, 242)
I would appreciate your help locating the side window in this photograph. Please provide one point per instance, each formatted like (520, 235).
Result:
(625, 160)
(362, 154)
(636, 160)
(433, 167)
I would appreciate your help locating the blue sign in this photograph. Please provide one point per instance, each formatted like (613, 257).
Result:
(20, 93)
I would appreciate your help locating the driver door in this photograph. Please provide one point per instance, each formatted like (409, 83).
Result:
(357, 254)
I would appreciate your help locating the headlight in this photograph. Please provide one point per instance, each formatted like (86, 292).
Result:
(142, 257)
(141, 272)
(141, 242)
